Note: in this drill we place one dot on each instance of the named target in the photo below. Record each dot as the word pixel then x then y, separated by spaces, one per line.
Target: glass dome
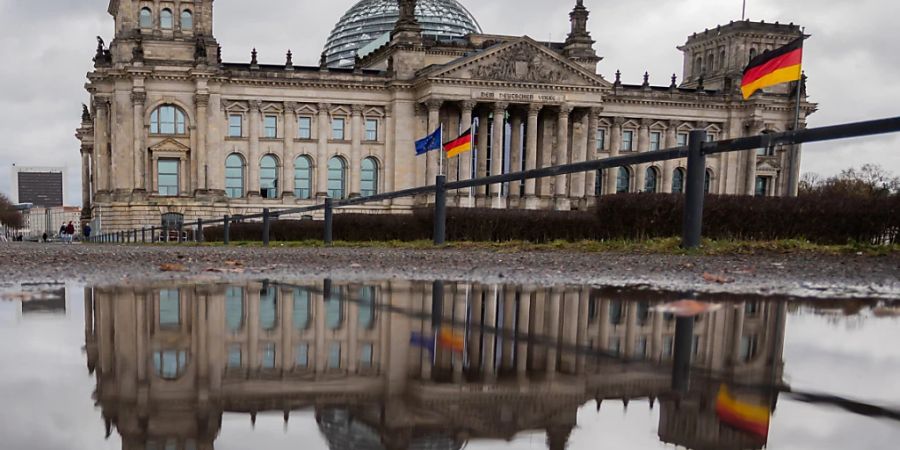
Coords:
pixel 370 20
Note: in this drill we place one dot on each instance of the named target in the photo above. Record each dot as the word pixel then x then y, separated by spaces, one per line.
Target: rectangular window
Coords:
pixel 234 356
pixel 235 125
pixel 303 356
pixel 682 139
pixel 749 346
pixel 167 177
pixel 628 140
pixel 334 356
pixel 268 356
pixel 640 351
pixel 169 308
pixel 305 131
pixel 655 139
pixel 710 137
pixel 762 186
pixel 668 347
pixel 366 356
pixel 615 346
pixel 751 309
pixel 601 139
pixel 271 127
pixel 337 129
pixel 371 130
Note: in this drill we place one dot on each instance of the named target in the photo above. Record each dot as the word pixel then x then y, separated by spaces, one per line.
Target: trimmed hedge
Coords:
pixel 818 218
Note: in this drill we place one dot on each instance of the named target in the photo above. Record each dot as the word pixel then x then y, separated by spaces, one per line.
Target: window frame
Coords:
pixel 681 139
pixel 179 121
pixel 299 187
pixel 766 184
pixel 231 125
pixel 162 19
pixel 160 174
pixel 241 191
pixel 655 141
pixel 342 129
pixel 300 129
pixel 271 192
pixel 270 126
pixel 368 187
pixel 651 170
pixel 630 140
pixel 343 178
pixel 145 13
pixel 627 188
pixel 600 136
pixel 369 137
pixel 190 17
pixel 677 174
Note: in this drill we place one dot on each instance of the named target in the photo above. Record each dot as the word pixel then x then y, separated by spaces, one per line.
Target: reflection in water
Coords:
pixel 400 365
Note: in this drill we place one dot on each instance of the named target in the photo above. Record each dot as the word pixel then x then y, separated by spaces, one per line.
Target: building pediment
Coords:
pixel 170 146
pixel 521 60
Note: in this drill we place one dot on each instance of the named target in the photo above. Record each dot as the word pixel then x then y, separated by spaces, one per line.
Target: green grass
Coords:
pixel 649 246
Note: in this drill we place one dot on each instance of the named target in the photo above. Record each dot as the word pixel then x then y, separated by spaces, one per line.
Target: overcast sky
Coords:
pixel 851 60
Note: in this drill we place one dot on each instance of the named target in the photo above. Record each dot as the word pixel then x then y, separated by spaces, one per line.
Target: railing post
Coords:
pixel 693 198
pixel 267 223
pixel 684 346
pixel 143 235
pixel 226 230
pixel 199 237
pixel 440 210
pixel 329 222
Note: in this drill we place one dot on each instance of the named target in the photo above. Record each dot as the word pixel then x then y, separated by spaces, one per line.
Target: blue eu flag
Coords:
pixel 429 143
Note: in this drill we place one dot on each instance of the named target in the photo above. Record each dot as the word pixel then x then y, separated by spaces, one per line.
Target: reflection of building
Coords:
pixel 171 360
pixel 49 299
pixel 172 128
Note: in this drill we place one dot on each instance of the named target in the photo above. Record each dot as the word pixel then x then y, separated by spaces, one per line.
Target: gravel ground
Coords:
pixel 804 275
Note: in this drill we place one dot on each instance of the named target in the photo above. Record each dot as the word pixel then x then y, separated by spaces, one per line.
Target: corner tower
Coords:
pixel 720 55
pixel 162 30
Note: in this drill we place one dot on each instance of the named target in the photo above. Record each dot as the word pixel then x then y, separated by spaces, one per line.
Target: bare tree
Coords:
pixel 9 216
pixel 870 180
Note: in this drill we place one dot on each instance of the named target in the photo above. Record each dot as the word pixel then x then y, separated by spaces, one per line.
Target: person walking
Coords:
pixel 70 232
pixel 86 231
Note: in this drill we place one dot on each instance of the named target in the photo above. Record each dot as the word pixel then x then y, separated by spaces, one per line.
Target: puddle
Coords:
pixel 413 365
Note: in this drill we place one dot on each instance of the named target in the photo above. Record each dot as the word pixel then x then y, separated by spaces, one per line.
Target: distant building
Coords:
pixel 41 186
pixel 39 220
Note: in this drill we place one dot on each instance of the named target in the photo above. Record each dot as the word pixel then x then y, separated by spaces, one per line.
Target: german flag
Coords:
pixel 778 66
pixel 744 416
pixel 459 145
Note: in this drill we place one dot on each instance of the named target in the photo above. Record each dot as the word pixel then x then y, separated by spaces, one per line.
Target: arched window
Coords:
pixel 268 308
pixel 707 181
pixel 337 178
pixel 369 177
pixel 678 181
pixel 303 178
pixel 698 67
pixel 623 182
pixel 234 176
pixel 598 183
pixel 165 19
pixel 268 177
pixel 168 119
pixel 722 62
pixel 146 18
pixel 752 53
pixel 187 20
pixel 651 180
pixel 234 309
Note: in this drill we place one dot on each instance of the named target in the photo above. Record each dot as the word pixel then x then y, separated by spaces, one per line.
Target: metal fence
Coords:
pixel 696 152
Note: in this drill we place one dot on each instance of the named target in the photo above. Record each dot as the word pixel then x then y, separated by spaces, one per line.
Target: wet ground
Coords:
pixel 789 274
pixel 391 363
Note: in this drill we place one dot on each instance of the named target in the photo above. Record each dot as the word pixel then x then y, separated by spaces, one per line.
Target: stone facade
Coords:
pixel 171 128
pixel 169 360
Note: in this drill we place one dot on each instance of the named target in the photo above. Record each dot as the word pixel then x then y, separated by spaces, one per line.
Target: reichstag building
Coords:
pixel 171 128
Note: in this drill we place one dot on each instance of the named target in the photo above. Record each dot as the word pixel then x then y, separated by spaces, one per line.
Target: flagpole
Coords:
pixel 794 173
pixel 473 162
pixel 744 11
pixel 441 150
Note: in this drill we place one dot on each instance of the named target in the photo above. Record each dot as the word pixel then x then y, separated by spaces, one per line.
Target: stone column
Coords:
pixel 522 331
pixel 670 165
pixel 101 144
pixel 615 144
pixel 531 153
pixel 85 180
pixel 202 102
pixel 582 339
pixel 740 316
pixel 593 124
pixel 465 160
pixel 391 165
pixel 253 361
pixel 434 121
pixel 755 127
pixel 562 152
pixel 324 131
pixel 356 130
pixel 515 152
pixel 138 98
pixel 497 131
pixel 580 154
pixel 643 147
pixel 553 332
pixel 320 354
pixel 490 338
pixel 253 163
pixel 483 144
pixel 353 338
pixel 286 296
pixel 287 163
pixel 459 316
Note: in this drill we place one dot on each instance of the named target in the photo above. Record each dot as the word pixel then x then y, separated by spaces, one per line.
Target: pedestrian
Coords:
pixel 70 232
pixel 86 231
pixel 44 238
pixel 62 233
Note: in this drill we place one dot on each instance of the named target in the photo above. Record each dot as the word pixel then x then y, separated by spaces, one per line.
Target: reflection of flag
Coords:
pixel 459 145
pixel 449 340
pixel 422 341
pixel 781 65
pixel 742 415
pixel 429 143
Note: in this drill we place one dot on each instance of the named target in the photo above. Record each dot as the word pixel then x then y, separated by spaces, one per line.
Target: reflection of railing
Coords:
pixel 696 152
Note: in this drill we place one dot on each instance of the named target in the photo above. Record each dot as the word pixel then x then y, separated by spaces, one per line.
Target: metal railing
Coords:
pixel 696 152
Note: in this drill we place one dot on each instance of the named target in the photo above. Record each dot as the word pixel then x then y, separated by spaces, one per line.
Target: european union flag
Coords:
pixel 429 143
